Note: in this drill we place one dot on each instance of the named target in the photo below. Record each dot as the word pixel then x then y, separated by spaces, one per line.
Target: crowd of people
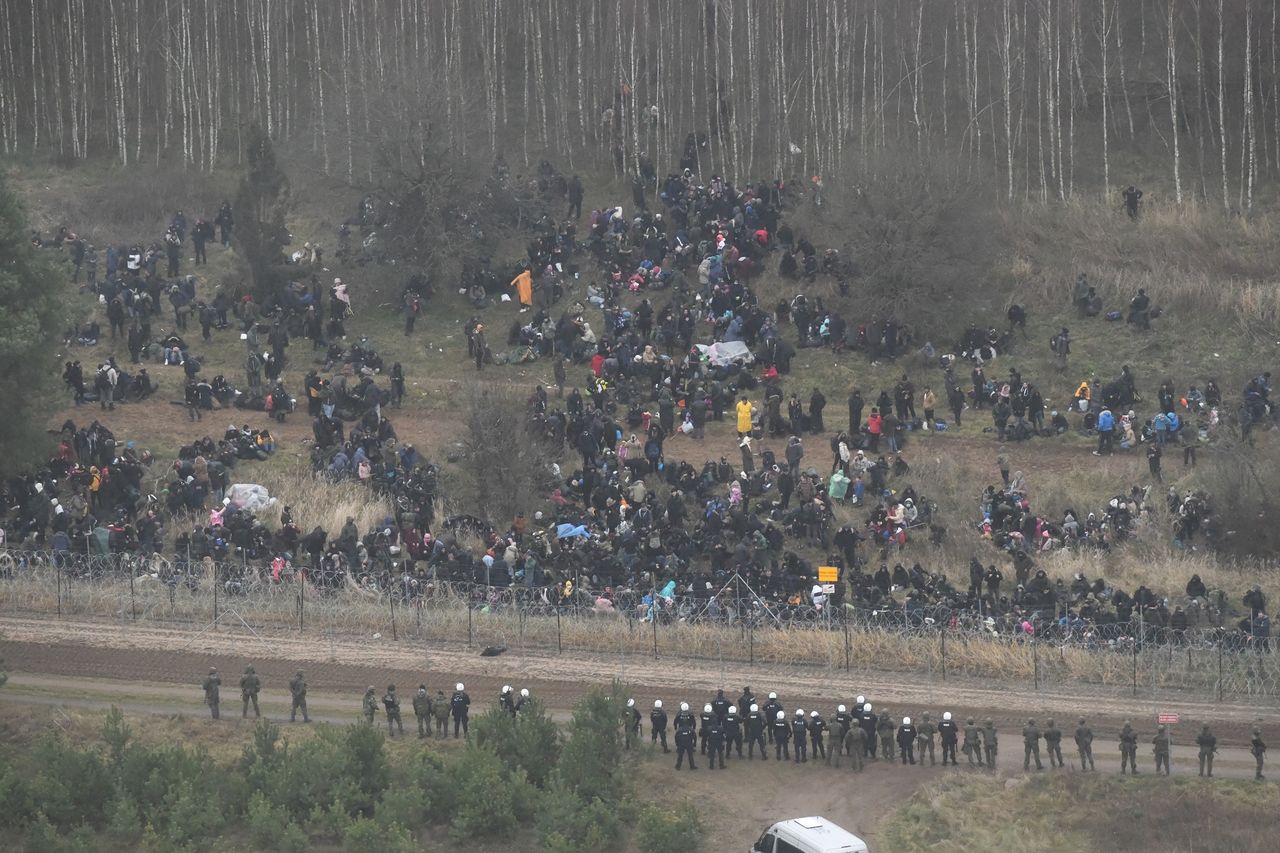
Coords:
pixel 623 510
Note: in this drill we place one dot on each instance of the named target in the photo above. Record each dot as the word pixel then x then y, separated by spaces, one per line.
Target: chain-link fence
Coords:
pixel 740 628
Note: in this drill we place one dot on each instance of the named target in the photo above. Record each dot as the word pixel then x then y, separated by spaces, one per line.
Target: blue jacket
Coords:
pixel 1106 421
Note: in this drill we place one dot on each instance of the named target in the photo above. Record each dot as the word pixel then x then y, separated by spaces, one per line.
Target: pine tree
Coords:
pixel 261 204
pixel 32 296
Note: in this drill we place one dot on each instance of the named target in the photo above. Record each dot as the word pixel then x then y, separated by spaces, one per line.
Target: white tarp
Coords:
pixel 727 352
pixel 250 496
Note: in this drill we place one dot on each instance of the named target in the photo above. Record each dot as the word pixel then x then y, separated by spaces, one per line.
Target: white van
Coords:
pixel 808 835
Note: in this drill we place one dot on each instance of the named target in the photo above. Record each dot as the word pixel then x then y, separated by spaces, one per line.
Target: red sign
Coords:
pixel 1166 719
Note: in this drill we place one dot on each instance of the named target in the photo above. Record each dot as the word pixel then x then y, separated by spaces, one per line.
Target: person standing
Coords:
pixel 1161 747
pixel 1132 199
pixel 298 690
pixel 715 742
pixel 756 724
pixel 440 710
pixel 817 727
pixel 799 730
pixel 856 404
pixel 370 704
pixel 391 702
pixel 924 733
pixel 781 737
pixel 658 725
pixel 989 742
pixel 686 740
pixel 1053 743
pixel 1128 749
pixel 1208 746
pixel 576 193
pixel 212 684
pixel 732 732
pixel 630 723
pixel 854 745
pixel 250 685
pixel 460 705
pixel 1031 745
pixel 422 711
pixel 1154 455
pixel 886 730
pixel 1084 744
pixel 1259 750
pixel 972 746
pixel 949 733
pixel 745 411
pixel 907 741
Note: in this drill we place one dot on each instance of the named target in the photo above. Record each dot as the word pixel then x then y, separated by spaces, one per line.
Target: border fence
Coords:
pixel 734 626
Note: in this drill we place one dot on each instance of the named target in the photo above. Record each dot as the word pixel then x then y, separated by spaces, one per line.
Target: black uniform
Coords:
pixel 771 709
pixel 756 724
pixel 798 731
pixel 781 737
pixel 715 742
pixel 949 734
pixel 868 726
pixel 733 734
pixel 817 728
pixel 844 722
pixel 720 706
pixel 704 724
pixel 658 727
pixel 907 743
pixel 460 705
pixel 686 739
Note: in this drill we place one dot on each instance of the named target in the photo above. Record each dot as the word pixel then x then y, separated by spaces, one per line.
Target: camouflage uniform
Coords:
pixel 1084 743
pixel 422 710
pixel 212 682
pixel 250 685
pixel 298 688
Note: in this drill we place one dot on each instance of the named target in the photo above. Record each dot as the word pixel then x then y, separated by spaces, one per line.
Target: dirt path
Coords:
pixel 76 650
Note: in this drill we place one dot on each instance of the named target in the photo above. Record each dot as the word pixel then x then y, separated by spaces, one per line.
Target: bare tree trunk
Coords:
pixel 1173 102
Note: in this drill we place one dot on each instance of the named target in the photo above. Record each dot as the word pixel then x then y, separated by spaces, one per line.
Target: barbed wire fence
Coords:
pixel 1205 663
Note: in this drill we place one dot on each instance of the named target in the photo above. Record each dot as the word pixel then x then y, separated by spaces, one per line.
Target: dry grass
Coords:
pixel 445 618
pixel 1087 812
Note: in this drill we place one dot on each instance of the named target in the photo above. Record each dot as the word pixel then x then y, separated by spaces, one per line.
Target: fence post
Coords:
pixel 653 614
pixel 1135 665
pixel 1219 669
pixel 559 639
pixel 943 634
pixel 215 596
pixel 1035 661
pixel 133 602
pixel 469 633
pixel 751 644
pixel 845 622
pixel 302 600
pixel 391 599
pixel 59 581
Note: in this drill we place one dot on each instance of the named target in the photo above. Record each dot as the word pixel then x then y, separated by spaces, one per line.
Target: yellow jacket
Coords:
pixel 744 416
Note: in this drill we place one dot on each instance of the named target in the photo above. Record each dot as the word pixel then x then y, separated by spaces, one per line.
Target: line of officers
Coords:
pixel 859 734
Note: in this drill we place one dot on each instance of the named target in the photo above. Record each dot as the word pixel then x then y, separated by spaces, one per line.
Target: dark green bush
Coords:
pixel 528 742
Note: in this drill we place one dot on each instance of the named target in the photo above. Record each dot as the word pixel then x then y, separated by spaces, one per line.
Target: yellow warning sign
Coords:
pixel 828 574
